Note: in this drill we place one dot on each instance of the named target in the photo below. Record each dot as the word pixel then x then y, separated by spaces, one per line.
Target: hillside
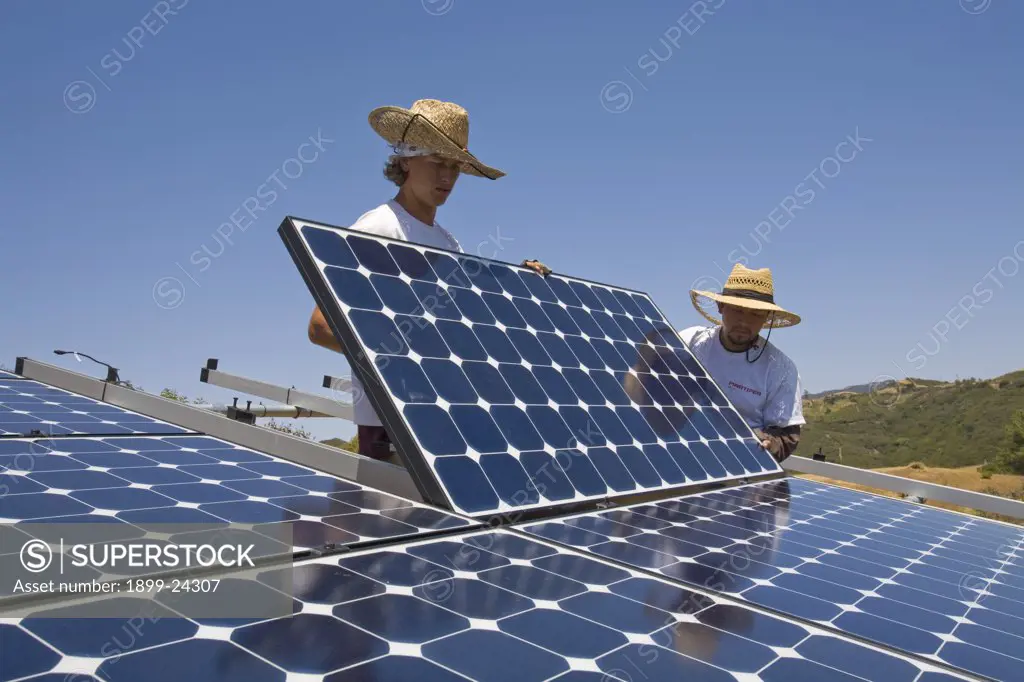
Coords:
pixel 938 423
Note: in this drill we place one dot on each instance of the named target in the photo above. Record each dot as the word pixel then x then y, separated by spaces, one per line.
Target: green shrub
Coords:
pixel 1011 456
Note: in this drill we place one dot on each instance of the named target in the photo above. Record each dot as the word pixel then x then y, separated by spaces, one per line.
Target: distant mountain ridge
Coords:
pixel 859 388
pixel 874 386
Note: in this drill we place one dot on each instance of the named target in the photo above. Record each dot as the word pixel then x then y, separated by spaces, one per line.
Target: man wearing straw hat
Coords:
pixel 758 378
pixel 430 149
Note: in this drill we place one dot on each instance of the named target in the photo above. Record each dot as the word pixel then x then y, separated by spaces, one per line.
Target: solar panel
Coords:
pixel 486 606
pixel 31 408
pixel 4 374
pixel 504 390
pixel 136 483
pixel 937 584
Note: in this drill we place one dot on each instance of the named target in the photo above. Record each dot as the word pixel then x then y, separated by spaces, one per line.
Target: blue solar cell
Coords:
pixel 396 668
pixel 523 384
pixel 448 380
pixel 33 656
pixel 436 299
pixel 462 343
pixel 866 565
pixel 353 289
pixel 262 487
pixel 123 499
pixel 603 359
pixel 329 245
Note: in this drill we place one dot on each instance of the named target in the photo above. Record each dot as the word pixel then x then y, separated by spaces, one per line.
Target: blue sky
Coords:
pixel 648 145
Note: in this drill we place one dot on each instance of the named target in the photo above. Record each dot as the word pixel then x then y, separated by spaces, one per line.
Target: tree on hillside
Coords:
pixel 171 394
pixel 1011 457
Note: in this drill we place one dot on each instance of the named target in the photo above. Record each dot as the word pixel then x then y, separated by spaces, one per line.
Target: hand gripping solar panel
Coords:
pixel 505 390
pixel 134 485
pixel 485 606
pixel 936 584
pixel 32 408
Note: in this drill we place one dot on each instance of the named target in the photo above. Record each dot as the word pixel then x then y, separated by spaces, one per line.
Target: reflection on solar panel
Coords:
pixel 31 408
pixel 484 606
pixel 132 483
pixel 506 390
pixel 922 580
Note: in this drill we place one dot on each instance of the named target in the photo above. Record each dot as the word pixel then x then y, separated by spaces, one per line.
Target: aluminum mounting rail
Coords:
pixel 317 405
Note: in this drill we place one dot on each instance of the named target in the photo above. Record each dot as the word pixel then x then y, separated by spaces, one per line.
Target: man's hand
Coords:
pixel 537 267
pixel 781 444
pixel 773 444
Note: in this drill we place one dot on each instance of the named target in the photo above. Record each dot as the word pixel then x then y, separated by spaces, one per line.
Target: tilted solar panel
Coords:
pixel 505 390
pixel 484 606
pixel 136 483
pixel 4 374
pixel 32 408
pixel 945 586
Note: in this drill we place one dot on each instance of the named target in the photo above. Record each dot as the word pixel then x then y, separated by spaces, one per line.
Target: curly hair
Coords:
pixel 394 172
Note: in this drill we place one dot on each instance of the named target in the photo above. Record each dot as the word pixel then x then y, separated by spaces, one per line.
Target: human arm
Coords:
pixel 537 267
pixel 779 441
pixel 320 332
pixel 783 413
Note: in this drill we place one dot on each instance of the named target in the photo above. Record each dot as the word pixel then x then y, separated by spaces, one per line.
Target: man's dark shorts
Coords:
pixel 374 442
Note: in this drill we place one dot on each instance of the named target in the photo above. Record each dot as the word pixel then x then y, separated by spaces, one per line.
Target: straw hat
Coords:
pixel 748 289
pixel 441 127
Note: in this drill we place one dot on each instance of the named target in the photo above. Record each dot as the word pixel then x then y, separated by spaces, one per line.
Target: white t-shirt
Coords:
pixel 766 392
pixel 392 221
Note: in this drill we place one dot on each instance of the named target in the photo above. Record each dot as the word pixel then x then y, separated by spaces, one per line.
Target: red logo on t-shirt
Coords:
pixel 741 387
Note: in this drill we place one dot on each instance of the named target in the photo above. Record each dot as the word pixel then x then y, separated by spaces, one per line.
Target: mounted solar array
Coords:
pixel 487 606
pixel 31 408
pixel 4 374
pixel 149 480
pixel 504 390
pixel 945 586
pixel 138 481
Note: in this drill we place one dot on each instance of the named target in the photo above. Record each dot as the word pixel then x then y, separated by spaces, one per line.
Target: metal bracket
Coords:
pixel 337 383
pixel 314 405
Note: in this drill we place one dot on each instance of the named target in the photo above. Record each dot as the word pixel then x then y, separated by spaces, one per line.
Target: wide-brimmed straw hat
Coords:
pixel 748 289
pixel 441 127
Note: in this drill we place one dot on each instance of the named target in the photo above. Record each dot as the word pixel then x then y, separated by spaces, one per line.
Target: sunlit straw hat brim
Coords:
pixel 442 127
pixel 781 317
pixel 746 288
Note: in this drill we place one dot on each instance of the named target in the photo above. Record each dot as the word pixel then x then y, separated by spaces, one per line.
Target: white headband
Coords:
pixel 406 150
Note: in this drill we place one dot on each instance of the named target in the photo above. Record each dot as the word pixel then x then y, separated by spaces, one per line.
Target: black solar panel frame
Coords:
pixel 401 436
